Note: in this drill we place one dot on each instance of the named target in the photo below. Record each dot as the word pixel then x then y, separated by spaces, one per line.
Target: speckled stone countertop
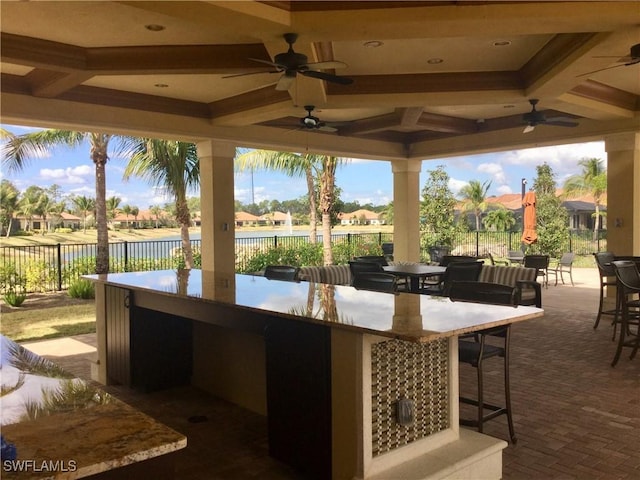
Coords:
pixel 406 316
pixel 65 428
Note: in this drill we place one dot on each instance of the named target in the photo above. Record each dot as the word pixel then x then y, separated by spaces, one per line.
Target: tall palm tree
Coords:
pixel 113 207
pixel 21 148
pixel 9 203
pixel 291 164
pixel 135 211
pixel 592 180
pixel 155 211
pixel 174 166
pixel 312 167
pixel 474 197
pixel 126 209
pixel 85 206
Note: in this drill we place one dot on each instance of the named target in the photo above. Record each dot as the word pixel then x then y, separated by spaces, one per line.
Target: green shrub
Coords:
pixel 82 288
pixel 40 276
pixel 14 299
pixel 64 230
pixel 10 279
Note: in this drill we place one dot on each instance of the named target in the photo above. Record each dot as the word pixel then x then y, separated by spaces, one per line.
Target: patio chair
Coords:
pixel 372 258
pixel 449 259
pixel 282 272
pixel 541 264
pixel 357 267
pixel 380 282
pixel 474 349
pixel 387 251
pixel 515 256
pixel 604 262
pixel 564 265
pixel 456 271
pixel 628 285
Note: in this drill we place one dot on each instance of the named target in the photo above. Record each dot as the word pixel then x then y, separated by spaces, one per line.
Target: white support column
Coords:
pixel 217 205
pixel 623 193
pixel 406 209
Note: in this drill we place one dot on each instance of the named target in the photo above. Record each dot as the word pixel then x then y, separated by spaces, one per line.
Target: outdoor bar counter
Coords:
pixel 354 383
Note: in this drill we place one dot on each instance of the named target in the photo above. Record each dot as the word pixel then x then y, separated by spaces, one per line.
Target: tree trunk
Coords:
pixel 183 217
pixel 313 207
pixel 99 157
pixel 596 222
pixel 327 194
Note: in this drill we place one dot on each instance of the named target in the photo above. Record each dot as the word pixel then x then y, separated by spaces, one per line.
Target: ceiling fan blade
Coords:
pixel 278 66
pixel 326 65
pixel 327 128
pixel 250 73
pixel 603 69
pixel 328 77
pixel 528 128
pixel 285 82
pixel 561 123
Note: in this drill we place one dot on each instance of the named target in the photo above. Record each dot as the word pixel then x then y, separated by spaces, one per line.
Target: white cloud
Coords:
pixel 503 189
pixel 495 170
pixel 456 185
pixel 67 176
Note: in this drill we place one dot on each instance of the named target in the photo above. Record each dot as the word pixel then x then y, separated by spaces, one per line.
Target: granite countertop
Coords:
pixel 407 316
pixel 65 428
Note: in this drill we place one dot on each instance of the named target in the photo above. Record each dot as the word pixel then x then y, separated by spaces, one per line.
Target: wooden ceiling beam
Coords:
pixel 369 125
pixel 50 84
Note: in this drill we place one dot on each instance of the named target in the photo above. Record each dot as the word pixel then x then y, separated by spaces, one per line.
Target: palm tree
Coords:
pixel 127 211
pixel 113 207
pixel 474 196
pixel 9 203
pixel 85 206
pixel 155 211
pixel 20 148
pixel 313 168
pixel 175 166
pixel 501 219
pixel 135 211
pixel 592 181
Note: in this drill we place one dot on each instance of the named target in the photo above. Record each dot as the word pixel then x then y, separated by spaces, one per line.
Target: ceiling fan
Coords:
pixel 291 63
pixel 310 122
pixel 535 118
pixel 632 59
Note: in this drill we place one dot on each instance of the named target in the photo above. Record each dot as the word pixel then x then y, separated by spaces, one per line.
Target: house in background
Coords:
pixel 360 217
pixel 246 219
pixel 36 222
pixel 276 219
pixel 580 209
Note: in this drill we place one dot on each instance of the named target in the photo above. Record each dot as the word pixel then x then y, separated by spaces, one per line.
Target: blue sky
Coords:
pixel 362 180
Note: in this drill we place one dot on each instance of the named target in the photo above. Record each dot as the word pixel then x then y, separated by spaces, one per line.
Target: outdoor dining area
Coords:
pixel 574 416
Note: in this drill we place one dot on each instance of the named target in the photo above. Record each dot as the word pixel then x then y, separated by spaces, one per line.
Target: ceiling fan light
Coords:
pixel 373 44
pixel 154 27
pixel 434 61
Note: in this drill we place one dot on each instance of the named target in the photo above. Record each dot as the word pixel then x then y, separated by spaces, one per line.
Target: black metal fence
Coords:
pixel 41 268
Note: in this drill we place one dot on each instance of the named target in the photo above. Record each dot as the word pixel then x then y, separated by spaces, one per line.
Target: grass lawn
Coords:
pixel 46 316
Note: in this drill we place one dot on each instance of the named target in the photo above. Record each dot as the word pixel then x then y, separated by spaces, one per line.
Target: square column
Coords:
pixel 406 209
pixel 623 193
pixel 217 205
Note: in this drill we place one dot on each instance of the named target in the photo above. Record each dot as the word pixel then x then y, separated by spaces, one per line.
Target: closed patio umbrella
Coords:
pixel 529 234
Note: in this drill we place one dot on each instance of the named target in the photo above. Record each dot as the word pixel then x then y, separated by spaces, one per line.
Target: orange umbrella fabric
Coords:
pixel 529 234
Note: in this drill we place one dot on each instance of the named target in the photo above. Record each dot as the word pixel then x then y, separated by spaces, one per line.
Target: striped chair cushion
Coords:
pixel 486 274
pixel 311 274
pixel 336 274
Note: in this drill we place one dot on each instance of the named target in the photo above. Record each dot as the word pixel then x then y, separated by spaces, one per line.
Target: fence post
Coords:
pixel 570 241
pixel 348 238
pixel 477 243
pixel 275 241
pixel 379 238
pixel 59 249
pixel 126 256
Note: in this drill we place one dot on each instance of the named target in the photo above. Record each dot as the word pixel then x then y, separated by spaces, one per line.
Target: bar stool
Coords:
pixel 628 284
pixel 474 349
pixel 604 262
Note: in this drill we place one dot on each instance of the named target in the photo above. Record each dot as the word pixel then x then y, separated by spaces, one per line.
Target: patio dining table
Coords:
pixel 416 272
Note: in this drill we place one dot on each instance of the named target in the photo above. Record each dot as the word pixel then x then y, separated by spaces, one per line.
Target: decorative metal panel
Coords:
pixel 413 371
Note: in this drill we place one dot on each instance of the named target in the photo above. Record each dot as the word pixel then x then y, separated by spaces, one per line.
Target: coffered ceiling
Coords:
pixel 429 78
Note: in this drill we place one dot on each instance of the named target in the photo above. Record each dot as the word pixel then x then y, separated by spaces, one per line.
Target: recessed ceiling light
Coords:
pixel 508 106
pixel 502 43
pixel 373 44
pixel 161 85
pixel 153 27
pixel 435 61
